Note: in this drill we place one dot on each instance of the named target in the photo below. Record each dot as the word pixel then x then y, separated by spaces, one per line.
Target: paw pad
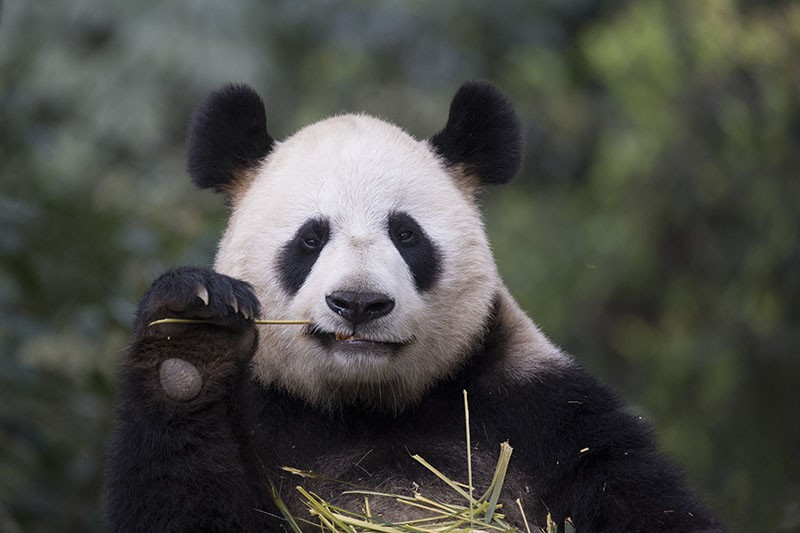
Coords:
pixel 180 379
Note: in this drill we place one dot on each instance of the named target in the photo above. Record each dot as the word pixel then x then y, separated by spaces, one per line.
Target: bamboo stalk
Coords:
pixel 203 321
pixel 469 458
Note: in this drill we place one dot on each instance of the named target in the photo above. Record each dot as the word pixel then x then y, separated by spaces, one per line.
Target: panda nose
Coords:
pixel 359 307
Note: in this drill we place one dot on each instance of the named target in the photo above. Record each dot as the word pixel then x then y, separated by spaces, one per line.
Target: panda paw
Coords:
pixel 215 341
pixel 200 296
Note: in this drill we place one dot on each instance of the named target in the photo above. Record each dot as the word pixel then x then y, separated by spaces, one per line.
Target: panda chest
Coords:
pixel 342 475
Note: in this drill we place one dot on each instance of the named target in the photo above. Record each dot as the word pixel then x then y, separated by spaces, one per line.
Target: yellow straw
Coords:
pixel 200 321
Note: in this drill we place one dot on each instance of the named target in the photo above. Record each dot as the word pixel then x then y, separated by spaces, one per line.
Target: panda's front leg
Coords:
pixel 181 457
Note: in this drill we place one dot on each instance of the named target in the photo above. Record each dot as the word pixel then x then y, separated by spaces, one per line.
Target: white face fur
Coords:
pixel 355 173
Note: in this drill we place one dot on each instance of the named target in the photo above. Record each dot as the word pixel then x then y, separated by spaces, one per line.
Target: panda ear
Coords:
pixel 227 137
pixel 483 134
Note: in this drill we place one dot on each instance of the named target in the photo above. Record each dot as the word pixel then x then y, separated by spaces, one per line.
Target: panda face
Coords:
pixel 359 228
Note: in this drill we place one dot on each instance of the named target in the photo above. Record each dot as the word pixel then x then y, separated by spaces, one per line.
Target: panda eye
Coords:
pixel 312 236
pixel 404 230
pixel 312 243
pixel 405 236
pixel 420 254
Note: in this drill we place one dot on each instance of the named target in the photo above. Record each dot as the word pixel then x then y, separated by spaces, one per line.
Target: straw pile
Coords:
pixel 468 514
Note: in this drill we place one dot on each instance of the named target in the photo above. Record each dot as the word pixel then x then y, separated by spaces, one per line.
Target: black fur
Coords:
pixel 483 133
pixel 416 248
pixel 297 257
pixel 227 135
pixel 206 465
pixel 186 466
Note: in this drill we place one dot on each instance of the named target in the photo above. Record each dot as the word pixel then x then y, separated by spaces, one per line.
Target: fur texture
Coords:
pixel 482 134
pixel 376 238
pixel 227 137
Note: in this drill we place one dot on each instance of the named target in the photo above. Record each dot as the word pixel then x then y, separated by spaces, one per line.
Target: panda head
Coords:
pixel 373 236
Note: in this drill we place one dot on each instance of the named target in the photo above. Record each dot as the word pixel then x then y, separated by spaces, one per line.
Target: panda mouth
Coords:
pixel 339 337
pixel 354 340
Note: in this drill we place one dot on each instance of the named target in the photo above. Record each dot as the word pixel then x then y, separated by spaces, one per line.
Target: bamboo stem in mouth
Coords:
pixel 201 321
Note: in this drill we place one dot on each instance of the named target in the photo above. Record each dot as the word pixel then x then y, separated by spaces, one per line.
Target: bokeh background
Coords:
pixel 654 232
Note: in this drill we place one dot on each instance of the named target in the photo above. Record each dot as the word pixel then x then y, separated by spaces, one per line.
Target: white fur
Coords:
pixel 355 170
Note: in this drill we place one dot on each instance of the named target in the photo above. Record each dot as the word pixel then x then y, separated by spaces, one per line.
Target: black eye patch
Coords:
pixel 416 248
pixel 298 255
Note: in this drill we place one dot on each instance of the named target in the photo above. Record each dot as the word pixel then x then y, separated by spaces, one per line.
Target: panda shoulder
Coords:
pixel 515 346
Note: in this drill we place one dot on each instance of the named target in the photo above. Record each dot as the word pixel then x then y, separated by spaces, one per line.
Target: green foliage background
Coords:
pixel 654 232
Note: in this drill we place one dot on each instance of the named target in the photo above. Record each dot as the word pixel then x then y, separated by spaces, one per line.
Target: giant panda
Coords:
pixel 376 239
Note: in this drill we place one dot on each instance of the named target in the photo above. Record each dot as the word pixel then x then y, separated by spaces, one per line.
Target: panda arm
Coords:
pixel 180 459
pixel 590 458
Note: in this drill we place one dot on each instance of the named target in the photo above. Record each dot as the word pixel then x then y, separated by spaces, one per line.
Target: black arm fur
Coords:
pixel 187 465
